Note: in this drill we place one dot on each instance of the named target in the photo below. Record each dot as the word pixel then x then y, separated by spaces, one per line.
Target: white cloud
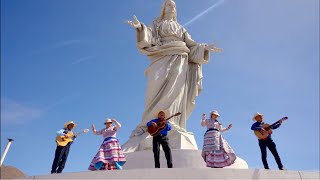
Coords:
pixel 203 12
pixel 55 46
pixel 59 101
pixel 80 60
pixel 13 112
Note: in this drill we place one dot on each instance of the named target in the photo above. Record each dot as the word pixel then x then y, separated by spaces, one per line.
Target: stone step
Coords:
pixel 181 158
pixel 185 173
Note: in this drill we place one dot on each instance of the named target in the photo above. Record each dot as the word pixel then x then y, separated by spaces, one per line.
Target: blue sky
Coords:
pixel 77 60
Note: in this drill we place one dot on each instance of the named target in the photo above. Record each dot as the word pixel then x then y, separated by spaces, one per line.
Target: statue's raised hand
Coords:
pixel 213 48
pixel 135 23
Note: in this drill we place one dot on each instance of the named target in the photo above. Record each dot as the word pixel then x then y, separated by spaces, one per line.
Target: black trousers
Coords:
pixel 272 147
pixel 163 140
pixel 60 158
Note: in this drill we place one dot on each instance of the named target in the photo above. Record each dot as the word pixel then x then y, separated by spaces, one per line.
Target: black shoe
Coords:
pixel 59 171
pixel 282 168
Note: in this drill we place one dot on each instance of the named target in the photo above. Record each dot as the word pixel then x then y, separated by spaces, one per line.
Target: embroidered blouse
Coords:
pixel 109 132
pixel 213 124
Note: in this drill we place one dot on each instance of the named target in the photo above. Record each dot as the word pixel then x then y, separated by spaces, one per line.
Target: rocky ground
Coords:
pixel 10 172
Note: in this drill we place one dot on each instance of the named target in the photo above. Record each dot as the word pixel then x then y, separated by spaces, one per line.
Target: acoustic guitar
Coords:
pixel 267 127
pixel 153 131
pixel 63 141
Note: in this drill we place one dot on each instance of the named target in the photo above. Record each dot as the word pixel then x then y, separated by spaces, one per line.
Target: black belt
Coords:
pixel 211 129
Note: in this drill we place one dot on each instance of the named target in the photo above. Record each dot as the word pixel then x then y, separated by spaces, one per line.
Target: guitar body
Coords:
pixel 267 127
pixel 153 131
pixel 261 135
pixel 63 141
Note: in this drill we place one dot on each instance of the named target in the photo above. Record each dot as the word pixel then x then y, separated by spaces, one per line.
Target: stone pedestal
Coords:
pixel 185 153
pixel 177 139
pixel 181 158
pixel 185 173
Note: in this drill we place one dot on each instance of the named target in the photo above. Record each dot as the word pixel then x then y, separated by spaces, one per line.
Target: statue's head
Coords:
pixel 169 6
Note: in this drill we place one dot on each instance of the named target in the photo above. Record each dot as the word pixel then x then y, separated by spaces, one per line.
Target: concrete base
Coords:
pixel 177 139
pixel 181 158
pixel 185 173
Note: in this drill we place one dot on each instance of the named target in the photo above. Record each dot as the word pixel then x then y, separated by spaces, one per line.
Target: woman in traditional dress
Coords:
pixel 175 73
pixel 216 151
pixel 109 155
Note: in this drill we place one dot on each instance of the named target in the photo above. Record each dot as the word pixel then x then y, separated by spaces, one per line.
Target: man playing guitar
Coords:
pixel 162 139
pixel 62 152
pixel 259 127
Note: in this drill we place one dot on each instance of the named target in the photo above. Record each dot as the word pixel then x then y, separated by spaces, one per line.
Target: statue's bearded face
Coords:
pixel 170 7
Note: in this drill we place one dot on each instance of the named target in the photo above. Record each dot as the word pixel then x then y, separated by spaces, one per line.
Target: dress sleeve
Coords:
pixel 204 122
pixel 198 54
pixel 98 132
pixel 188 40
pixel 221 129
pixel 117 127
pixel 145 37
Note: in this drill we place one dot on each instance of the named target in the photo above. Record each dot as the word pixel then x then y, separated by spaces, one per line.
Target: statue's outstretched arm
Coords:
pixel 213 48
pixel 135 23
pixel 190 42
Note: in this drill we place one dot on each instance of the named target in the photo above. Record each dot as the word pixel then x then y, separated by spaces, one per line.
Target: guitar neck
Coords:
pixel 274 124
pixel 80 133
pixel 282 119
pixel 173 116
pixel 169 118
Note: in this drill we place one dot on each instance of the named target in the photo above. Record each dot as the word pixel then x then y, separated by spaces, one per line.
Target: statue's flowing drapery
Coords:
pixel 175 73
